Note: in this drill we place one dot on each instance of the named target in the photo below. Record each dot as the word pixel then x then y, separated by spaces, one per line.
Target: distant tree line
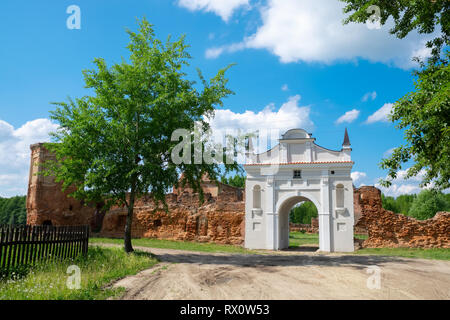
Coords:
pixel 422 206
pixel 237 180
pixel 13 210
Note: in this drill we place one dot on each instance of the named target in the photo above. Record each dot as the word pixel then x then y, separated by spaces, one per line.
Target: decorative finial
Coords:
pixel 346 139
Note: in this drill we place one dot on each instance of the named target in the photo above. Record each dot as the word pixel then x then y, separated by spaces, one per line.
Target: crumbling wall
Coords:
pixel 218 219
pixel 388 229
pixel 46 203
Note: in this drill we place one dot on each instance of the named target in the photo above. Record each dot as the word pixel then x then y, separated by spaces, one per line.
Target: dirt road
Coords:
pixel 286 275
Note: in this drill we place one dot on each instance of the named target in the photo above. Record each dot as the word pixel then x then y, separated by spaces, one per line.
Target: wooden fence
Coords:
pixel 26 245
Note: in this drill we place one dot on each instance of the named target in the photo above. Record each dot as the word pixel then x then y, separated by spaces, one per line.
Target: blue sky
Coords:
pixel 296 65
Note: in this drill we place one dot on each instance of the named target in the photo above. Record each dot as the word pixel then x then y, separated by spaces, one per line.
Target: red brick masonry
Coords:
pixel 388 229
pixel 220 219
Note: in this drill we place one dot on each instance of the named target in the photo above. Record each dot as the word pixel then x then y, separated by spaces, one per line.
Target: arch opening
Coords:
pixel 303 214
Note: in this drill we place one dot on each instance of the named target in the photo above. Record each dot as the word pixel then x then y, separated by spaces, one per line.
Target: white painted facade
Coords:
pixel 294 171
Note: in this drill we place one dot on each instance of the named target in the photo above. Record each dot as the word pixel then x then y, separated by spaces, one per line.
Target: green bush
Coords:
pixel 303 213
pixel 427 204
pixel 422 206
pixel 13 210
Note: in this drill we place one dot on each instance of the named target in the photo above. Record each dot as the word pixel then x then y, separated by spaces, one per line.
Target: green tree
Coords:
pixel 303 213
pixel 389 203
pixel 401 204
pixel 404 202
pixel 424 16
pixel 427 204
pixel 424 113
pixel 116 145
pixel 425 117
pixel 238 180
pixel 13 210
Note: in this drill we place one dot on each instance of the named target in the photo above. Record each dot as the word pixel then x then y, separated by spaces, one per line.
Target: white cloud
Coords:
pixel 289 115
pixel 396 189
pixel 312 31
pixel 268 122
pixel 400 185
pixel 15 153
pixel 213 53
pixel 285 87
pixel 401 175
pixel 388 152
pixel 349 116
pixel 357 176
pixel 369 95
pixel 381 114
pixel 222 8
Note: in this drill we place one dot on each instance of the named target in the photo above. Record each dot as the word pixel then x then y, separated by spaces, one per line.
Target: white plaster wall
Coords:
pixel 343 221
pixel 255 226
pixel 280 192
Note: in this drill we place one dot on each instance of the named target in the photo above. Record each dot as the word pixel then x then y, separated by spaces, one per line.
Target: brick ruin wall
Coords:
pixel 388 229
pixel 219 219
pixel 47 203
pixel 313 227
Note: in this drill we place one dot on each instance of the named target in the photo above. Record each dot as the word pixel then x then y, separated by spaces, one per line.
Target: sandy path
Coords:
pixel 285 275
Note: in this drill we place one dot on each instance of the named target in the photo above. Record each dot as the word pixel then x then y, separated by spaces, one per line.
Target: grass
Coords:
pixel 295 239
pixel 432 253
pixel 298 239
pixel 177 245
pixel 48 281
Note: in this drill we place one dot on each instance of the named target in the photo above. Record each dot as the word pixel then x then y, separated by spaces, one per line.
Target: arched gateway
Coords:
pixel 294 171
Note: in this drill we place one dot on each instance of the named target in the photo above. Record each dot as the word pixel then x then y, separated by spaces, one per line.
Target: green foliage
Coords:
pixel 116 144
pixel 401 204
pixel 424 114
pixel 303 213
pixel 427 204
pixel 424 16
pixel 422 206
pixel 238 180
pixel 47 281
pixel 425 117
pixel 13 210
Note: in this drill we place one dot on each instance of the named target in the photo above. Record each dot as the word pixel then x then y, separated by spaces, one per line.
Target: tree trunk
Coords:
pixel 127 238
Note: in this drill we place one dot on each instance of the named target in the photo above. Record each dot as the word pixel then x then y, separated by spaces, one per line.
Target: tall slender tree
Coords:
pixel 116 144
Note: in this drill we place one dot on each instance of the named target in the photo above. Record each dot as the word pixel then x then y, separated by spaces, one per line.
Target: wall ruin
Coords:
pixel 220 218
pixel 388 229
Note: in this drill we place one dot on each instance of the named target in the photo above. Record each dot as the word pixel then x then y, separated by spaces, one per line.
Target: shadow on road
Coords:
pixel 359 262
pixel 302 249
